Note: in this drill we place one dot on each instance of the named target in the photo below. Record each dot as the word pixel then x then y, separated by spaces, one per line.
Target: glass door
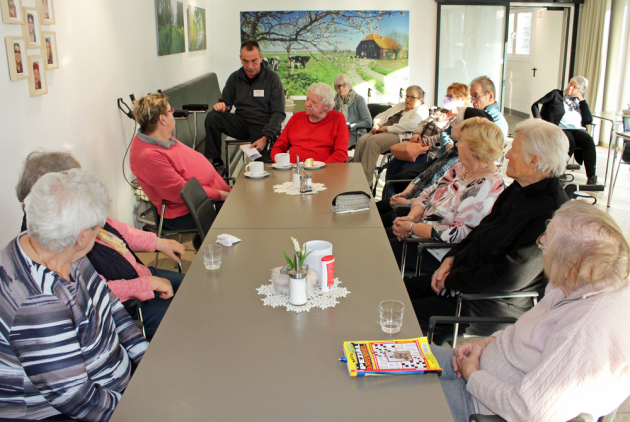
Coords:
pixel 471 40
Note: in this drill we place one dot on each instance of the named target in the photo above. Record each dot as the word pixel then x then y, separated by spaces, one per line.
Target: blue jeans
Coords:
pixel 460 402
pixel 154 309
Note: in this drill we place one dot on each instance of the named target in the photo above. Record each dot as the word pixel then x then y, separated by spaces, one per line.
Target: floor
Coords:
pixel 618 210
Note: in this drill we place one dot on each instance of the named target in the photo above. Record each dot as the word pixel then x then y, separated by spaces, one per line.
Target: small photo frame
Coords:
pixel 16 55
pixel 30 27
pixel 50 43
pixel 46 11
pixel 37 84
pixel 11 11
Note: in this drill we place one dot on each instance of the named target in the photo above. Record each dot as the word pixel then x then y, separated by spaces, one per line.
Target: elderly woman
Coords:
pixel 569 110
pixel 567 355
pixel 113 254
pixel 390 127
pixel 448 210
pixel 68 346
pixel 319 132
pixel 163 165
pixel 353 107
pixel 500 254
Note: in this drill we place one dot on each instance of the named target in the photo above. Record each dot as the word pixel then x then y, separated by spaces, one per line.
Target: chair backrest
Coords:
pixel 376 109
pixel 201 207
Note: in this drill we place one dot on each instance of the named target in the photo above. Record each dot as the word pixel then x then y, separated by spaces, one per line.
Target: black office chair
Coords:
pixel 134 306
pixel 201 208
pixel 161 231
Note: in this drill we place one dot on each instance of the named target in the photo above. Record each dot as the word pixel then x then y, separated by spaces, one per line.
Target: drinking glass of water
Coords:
pixel 212 256
pixel 391 315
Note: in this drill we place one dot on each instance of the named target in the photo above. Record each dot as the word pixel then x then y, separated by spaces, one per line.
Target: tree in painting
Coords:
pixel 170 26
pixel 196 28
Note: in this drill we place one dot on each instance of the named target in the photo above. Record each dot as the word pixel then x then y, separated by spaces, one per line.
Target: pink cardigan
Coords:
pixel 566 356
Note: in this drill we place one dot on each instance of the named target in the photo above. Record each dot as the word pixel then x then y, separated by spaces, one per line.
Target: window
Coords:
pixel 520 31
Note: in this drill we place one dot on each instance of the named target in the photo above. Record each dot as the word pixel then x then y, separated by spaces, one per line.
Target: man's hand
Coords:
pixel 220 107
pixel 162 287
pixel 260 143
pixel 439 276
pixel 169 247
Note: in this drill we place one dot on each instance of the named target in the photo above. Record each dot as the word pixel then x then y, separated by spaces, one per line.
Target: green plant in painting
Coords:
pixel 171 37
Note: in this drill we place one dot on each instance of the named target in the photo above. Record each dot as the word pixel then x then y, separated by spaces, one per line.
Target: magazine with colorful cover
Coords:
pixel 393 357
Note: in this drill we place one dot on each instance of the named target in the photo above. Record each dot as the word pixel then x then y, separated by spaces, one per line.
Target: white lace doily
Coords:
pixel 317 300
pixel 287 187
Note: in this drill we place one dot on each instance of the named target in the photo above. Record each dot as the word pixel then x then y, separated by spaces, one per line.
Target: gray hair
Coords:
pixel 40 162
pixel 486 84
pixel 61 205
pixel 582 83
pixel 547 141
pixel 585 246
pixel 342 78
pixel 325 91
pixel 418 90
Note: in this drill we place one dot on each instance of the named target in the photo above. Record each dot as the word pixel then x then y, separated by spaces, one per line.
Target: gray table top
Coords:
pixel 253 203
pixel 220 354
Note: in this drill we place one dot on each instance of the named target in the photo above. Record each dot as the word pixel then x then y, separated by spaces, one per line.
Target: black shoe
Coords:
pixel 591 180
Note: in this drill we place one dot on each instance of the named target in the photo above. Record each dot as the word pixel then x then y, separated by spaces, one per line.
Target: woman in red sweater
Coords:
pixel 163 165
pixel 319 132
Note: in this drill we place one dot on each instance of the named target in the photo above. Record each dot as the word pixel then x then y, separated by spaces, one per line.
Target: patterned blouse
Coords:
pixel 454 207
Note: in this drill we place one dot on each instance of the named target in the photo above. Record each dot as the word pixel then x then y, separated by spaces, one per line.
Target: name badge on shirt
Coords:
pixel 259 93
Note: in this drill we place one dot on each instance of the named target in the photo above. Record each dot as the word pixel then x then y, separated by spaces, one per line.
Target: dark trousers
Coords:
pixel 396 166
pixel 411 174
pixel 155 309
pixel 579 138
pixel 232 125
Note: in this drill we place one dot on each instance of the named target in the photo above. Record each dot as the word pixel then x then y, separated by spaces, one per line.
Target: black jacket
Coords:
pixel 500 254
pixel 553 108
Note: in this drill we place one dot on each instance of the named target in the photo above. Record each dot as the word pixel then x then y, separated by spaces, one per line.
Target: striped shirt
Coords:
pixel 65 347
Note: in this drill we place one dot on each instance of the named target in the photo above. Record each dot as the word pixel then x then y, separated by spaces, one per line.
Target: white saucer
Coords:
pixel 258 176
pixel 279 167
pixel 316 165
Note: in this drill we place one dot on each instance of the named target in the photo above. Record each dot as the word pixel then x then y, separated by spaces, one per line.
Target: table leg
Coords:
pixel 610 142
pixel 612 173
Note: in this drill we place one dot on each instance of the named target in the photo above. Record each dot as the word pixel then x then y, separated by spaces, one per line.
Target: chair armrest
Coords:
pixel 132 305
pixel 428 243
pixel 196 107
pixel 230 181
pixel 485 418
pixel 503 295
pixel 465 320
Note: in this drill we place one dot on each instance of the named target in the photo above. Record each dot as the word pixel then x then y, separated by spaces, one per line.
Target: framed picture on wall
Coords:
pixel 11 11
pixel 16 55
pixel 50 41
pixel 37 84
pixel 45 8
pixel 30 27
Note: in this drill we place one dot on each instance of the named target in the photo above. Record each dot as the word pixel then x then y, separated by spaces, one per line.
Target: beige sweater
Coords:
pixel 566 356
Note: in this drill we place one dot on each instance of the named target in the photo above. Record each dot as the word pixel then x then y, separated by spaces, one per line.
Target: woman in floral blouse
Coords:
pixel 449 209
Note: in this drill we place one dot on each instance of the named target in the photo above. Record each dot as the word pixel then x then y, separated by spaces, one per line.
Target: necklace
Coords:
pixel 463 178
pixel 40 257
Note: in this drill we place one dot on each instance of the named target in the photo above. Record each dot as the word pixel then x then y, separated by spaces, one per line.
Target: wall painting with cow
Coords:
pixel 304 47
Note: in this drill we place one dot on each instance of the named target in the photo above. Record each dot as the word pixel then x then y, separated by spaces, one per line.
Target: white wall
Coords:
pixel 107 49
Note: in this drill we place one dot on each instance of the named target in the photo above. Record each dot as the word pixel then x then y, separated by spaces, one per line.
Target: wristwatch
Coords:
pixel 411 229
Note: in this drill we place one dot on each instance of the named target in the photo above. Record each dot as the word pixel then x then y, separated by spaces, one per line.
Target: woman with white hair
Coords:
pixel 391 127
pixel 53 304
pixel 319 132
pixel 500 254
pixel 566 356
pixel 353 107
pixel 569 110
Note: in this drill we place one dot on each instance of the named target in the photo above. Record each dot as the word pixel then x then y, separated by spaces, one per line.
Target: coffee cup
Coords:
pixel 255 168
pixel 283 159
pixel 316 250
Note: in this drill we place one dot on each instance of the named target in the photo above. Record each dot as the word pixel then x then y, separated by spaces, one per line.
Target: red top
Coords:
pixel 163 172
pixel 326 140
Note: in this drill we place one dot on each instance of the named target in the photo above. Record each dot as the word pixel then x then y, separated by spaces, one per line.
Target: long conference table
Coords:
pixel 221 355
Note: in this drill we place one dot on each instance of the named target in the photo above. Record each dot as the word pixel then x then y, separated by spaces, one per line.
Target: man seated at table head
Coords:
pixel 484 94
pixel 258 96
pixel 163 165
pixel 319 132
pixel 67 345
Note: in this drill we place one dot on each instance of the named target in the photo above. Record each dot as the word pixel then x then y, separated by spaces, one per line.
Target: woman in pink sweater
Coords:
pixel 567 355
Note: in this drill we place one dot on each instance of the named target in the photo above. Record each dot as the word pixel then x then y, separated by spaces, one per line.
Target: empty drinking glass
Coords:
pixel 391 312
pixel 212 256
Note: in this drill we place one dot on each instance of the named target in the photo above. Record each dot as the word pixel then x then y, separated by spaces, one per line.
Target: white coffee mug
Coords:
pixel 318 249
pixel 255 168
pixel 283 159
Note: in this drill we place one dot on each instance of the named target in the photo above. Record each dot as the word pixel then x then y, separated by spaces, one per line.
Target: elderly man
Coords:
pixel 67 345
pixel 483 95
pixel 319 132
pixel 500 254
pixel 257 93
